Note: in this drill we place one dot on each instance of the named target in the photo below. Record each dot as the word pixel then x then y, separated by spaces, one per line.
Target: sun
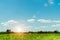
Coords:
pixel 19 29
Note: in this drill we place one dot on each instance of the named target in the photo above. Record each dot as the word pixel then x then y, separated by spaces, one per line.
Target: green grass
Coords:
pixel 32 36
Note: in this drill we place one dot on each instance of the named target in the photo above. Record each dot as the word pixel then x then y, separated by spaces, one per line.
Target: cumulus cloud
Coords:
pixel 56 25
pixel 56 21
pixel 51 1
pixel 44 21
pixel 31 20
pixel 17 26
pixel 43 26
pixel 23 27
pixel 48 21
pixel 9 22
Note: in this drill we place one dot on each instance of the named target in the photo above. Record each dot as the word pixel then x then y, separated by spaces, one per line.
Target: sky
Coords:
pixel 30 15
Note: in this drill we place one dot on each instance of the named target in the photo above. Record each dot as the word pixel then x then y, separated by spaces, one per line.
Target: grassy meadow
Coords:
pixel 30 36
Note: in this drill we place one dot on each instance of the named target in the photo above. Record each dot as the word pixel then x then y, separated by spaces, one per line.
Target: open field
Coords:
pixel 30 36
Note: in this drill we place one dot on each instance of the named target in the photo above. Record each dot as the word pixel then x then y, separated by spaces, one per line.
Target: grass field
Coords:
pixel 32 36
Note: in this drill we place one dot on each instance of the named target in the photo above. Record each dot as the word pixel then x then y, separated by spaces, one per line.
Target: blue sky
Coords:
pixel 35 14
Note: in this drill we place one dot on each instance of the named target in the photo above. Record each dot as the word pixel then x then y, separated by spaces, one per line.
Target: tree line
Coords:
pixel 9 31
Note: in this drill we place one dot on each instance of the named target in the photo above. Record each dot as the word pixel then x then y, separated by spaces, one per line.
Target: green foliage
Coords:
pixel 30 36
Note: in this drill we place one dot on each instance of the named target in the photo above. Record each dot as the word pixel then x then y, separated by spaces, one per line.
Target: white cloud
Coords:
pixel 56 25
pixel 22 27
pixel 56 21
pixel 51 1
pixel 48 21
pixel 31 20
pixel 17 26
pixel 43 26
pixel 9 22
pixel 44 21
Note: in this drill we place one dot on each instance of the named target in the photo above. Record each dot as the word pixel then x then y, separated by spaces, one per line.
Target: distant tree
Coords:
pixel 55 31
pixel 40 32
pixel 30 32
pixel 8 31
